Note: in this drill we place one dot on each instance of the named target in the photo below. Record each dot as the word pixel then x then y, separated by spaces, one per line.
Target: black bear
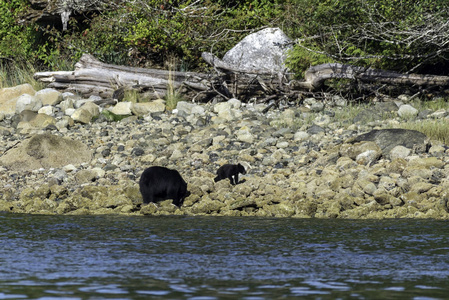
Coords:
pixel 159 183
pixel 231 172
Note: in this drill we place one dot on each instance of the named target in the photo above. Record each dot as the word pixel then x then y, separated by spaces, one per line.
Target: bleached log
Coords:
pixel 94 77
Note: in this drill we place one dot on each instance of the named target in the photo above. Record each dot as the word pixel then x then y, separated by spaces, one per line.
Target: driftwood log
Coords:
pixel 316 76
pixel 92 77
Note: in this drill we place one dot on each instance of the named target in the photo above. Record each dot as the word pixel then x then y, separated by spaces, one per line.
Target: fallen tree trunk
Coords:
pixel 284 84
pixel 316 76
pixel 92 77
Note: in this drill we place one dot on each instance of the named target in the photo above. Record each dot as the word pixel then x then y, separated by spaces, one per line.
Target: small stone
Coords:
pixel 138 151
pixel 406 111
pixel 106 152
pixel 122 109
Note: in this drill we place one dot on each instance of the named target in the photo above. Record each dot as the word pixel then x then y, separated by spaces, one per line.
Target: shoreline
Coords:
pixel 300 171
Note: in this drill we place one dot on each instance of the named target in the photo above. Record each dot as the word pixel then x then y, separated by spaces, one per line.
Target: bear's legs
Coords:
pixel 147 193
pixel 234 179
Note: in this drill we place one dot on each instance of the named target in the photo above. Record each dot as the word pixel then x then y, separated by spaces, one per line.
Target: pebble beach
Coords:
pixel 294 168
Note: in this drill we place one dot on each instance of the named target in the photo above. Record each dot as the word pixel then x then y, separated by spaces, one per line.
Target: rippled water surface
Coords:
pixel 110 257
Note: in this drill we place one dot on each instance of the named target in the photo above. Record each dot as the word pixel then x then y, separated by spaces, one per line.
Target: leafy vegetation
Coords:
pixel 406 35
pixel 15 41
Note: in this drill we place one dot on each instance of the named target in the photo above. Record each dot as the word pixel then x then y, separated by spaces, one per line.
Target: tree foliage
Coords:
pixel 400 35
pixel 146 32
pixel 16 41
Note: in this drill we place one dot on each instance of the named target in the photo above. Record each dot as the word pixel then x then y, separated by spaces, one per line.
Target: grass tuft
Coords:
pixel 172 97
pixel 437 129
pixel 16 74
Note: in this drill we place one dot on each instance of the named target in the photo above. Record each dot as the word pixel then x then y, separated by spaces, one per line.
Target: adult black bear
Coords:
pixel 159 183
pixel 231 172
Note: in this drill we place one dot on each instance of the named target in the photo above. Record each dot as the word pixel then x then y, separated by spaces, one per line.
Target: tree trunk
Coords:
pixel 316 76
pixel 92 77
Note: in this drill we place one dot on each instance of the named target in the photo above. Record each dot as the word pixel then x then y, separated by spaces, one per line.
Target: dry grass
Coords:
pixel 437 129
pixel 172 97
pixel 15 74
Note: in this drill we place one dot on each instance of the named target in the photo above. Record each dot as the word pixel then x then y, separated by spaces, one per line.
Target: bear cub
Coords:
pixel 160 183
pixel 231 172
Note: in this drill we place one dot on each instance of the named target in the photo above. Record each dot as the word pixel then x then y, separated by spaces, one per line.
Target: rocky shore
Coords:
pixel 65 155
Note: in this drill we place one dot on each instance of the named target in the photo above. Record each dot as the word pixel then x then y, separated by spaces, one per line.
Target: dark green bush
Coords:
pixel 16 41
pixel 148 32
pixel 405 35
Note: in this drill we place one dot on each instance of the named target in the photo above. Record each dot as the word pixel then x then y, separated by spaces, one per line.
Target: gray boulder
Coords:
pixel 45 151
pixel 144 108
pixel 186 108
pixel 40 121
pixel 264 51
pixel 86 112
pixel 387 139
pixel 122 109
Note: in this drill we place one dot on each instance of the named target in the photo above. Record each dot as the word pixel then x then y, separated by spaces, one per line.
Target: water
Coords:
pixel 205 258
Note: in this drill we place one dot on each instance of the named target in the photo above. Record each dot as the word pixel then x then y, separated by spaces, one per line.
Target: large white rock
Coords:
pixel 263 50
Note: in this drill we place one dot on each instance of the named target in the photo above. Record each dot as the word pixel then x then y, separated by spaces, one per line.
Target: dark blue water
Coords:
pixel 110 257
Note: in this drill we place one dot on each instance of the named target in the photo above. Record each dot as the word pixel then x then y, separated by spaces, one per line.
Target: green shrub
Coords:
pixel 146 33
pixel 16 42
pixel 377 33
pixel 141 32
